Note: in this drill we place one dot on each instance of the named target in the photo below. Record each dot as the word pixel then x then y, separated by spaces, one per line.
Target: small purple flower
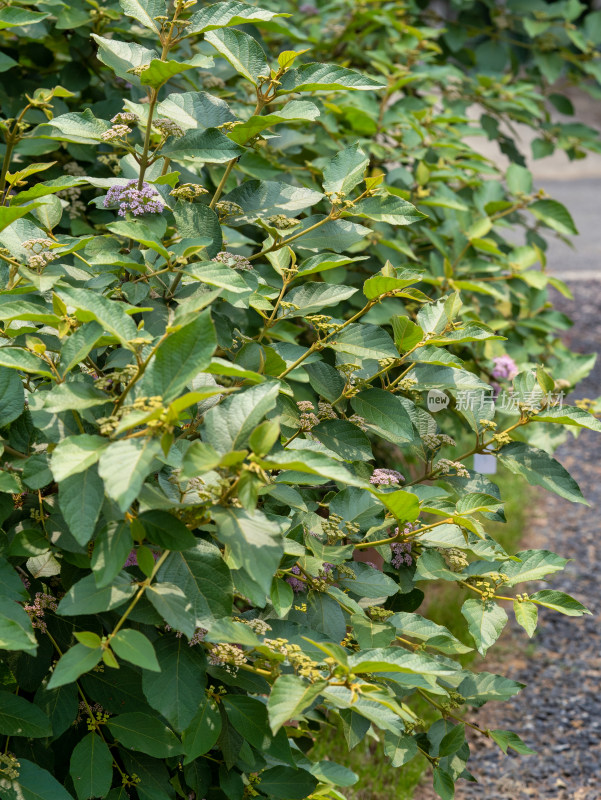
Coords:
pixel 386 477
pixel 297 586
pixel 308 8
pixel 138 201
pixel 132 559
pixel 505 367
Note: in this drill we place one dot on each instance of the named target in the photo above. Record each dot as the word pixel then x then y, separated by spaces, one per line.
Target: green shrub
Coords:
pixel 248 346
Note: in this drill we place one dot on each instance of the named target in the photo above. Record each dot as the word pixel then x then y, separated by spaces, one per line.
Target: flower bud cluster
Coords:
pixel 407 384
pixel 502 438
pixel 125 118
pixel 488 424
pixel 227 655
pixel 9 766
pixel 326 411
pixel 36 610
pixel 226 209
pixel 379 614
pixel 435 440
pixel 308 419
pixel 233 260
pixel 456 559
pixel 282 221
pixel 359 422
pixel 188 191
pixel 40 254
pixel 323 323
pixel 297 585
pixel 115 133
pixel 445 467
pixel 168 128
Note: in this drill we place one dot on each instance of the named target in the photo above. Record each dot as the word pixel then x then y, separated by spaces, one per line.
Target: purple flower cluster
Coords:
pixel 505 367
pixel 139 201
pixel 401 554
pixel 36 610
pixel 297 586
pixel 386 477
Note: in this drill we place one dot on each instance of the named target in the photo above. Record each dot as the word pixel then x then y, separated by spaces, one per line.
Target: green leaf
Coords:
pixel 230 12
pixel 532 566
pixel 122 57
pixel 16 17
pixel 386 208
pixel 19 717
pixel 124 465
pixel 33 783
pixel 406 333
pixel 166 531
pixel 261 199
pixel 175 608
pixel 295 110
pixel 203 731
pixel 16 632
pixel 395 659
pixel 569 415
pixel 345 170
pixel 249 717
pixel 80 127
pixel 364 341
pixel 144 11
pixel 485 621
pixel 137 230
pixel 195 110
pixel 111 548
pixel 91 767
pixel 286 783
pixel 479 688
pixel 8 214
pixel 80 498
pixel 73 663
pixel 84 597
pixel 210 146
pixel 91 305
pixel 344 438
pixel 290 696
pixel 12 396
pixel 526 615
pixel 315 77
pixel 179 358
pixel 205 579
pixel 78 346
pixel 369 582
pixel 443 784
pixel 281 596
pixel 425 630
pixel 134 647
pixel 554 215
pixel 403 505
pixel 79 396
pixel 254 540
pixel 229 425
pixel 400 748
pixel 145 734
pixel 21 359
pixel 540 469
pixel 243 52
pixel 75 454
pixel 509 739
pixel 312 297
pixel 177 688
pixel 384 414
pixel 311 463
pixel 559 601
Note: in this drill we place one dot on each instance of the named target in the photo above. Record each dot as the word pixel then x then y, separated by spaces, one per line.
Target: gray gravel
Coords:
pixel 558 714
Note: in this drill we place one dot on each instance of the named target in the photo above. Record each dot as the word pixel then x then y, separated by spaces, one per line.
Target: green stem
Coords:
pixel 139 594
pixel 413 534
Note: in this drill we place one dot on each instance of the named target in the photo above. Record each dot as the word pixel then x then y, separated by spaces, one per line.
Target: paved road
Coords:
pixel 583 261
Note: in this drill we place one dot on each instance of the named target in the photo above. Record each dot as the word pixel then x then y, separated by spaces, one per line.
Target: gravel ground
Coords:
pixel 558 714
